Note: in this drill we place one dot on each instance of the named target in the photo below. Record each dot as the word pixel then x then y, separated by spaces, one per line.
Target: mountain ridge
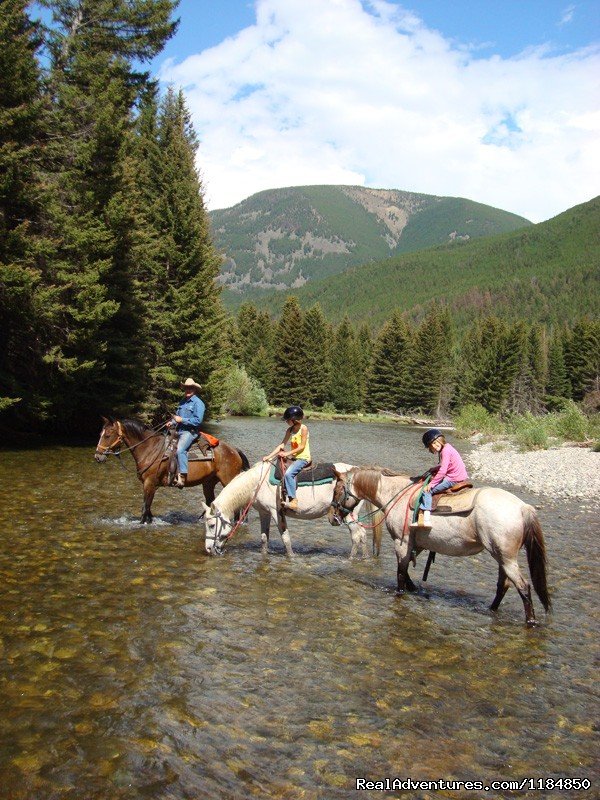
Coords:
pixel 282 239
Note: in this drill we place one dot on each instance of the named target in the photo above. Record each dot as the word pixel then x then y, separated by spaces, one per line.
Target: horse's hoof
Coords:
pixel 532 623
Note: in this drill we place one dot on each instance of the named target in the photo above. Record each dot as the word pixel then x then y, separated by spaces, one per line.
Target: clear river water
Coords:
pixel 132 665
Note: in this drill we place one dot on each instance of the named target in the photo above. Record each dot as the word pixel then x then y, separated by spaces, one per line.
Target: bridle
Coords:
pixel 341 509
pixel 220 534
pixel 104 450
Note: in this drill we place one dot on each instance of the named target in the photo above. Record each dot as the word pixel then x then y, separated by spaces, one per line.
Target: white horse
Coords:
pixel 252 488
pixel 499 522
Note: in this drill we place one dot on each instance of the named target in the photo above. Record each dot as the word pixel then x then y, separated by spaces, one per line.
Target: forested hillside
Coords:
pixel 546 273
pixel 284 238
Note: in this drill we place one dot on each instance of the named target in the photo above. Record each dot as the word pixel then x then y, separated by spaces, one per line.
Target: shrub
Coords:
pixel 530 432
pixel 571 423
pixel 474 418
pixel 244 396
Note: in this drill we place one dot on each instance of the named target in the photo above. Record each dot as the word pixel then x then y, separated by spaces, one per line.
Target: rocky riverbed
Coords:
pixel 563 472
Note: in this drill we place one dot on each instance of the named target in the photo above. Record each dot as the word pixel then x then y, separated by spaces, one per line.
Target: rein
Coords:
pixel 394 500
pixel 235 527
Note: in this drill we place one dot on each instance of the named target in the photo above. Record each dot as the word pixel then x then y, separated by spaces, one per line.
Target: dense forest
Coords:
pixel 427 367
pixel 108 274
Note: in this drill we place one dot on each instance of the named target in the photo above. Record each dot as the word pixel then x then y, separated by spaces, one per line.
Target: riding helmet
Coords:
pixel 430 436
pixel 293 412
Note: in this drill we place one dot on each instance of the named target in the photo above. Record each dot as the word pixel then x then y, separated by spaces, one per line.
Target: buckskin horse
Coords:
pixel 497 521
pixel 148 447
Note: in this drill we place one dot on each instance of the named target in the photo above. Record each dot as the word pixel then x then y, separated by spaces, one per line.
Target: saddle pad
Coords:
pixel 453 501
pixel 196 454
pixel 314 474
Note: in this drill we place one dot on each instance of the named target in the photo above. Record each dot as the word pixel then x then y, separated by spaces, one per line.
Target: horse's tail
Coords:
pixel 533 539
pixel 245 462
pixel 376 525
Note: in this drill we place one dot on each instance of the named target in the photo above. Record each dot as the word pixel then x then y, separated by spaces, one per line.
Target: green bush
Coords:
pixel 474 418
pixel 571 423
pixel 244 396
pixel 530 433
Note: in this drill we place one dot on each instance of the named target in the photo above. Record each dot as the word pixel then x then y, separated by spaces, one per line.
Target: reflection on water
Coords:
pixel 134 666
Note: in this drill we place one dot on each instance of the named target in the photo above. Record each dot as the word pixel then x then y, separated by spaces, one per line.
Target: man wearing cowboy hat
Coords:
pixel 188 418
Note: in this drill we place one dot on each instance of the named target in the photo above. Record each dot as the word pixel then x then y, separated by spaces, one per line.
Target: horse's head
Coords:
pixel 111 436
pixel 216 530
pixel 344 500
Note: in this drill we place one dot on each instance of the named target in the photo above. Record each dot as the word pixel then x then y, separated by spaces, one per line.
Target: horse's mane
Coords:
pixel 366 480
pixel 240 490
pixel 135 427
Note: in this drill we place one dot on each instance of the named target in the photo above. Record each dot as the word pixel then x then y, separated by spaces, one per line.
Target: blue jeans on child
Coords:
pixel 426 496
pixel 186 439
pixel 290 476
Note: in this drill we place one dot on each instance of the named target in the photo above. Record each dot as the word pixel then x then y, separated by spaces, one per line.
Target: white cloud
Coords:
pixel 567 15
pixel 344 91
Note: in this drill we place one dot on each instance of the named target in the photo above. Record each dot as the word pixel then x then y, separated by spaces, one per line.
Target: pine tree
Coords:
pixel 288 382
pixel 389 374
pixel 431 362
pixel 22 242
pixel 315 361
pixel 191 321
pixel 557 383
pixel 97 356
pixel 364 347
pixel 345 388
pixel 582 357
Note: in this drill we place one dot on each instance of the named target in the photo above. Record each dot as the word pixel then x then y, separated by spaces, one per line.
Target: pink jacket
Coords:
pixel 451 467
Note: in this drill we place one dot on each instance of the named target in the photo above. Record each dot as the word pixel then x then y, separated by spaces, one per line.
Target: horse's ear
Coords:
pixel 105 420
pixel 206 508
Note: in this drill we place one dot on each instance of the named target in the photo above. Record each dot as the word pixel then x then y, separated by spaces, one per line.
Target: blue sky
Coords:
pixel 497 101
pixel 504 27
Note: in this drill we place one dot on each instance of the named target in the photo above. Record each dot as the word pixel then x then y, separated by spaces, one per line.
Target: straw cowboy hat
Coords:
pixel 189 383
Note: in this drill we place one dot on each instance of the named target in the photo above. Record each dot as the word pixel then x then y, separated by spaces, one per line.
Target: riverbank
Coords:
pixel 563 472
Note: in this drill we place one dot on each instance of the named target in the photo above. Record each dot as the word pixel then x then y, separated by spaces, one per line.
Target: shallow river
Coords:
pixel 134 666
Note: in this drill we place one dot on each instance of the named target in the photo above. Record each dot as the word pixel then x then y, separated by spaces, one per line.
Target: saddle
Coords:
pixel 313 474
pixel 201 450
pixel 458 499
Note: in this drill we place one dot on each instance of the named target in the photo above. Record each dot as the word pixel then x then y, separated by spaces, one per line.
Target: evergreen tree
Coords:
pixel 345 388
pixel 22 243
pixel 315 361
pixel 97 356
pixel 557 383
pixel 288 382
pixel 431 362
pixel 364 348
pixel 191 321
pixel 582 357
pixel 389 375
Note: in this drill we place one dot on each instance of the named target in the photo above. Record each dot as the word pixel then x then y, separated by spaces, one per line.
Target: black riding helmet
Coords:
pixel 293 412
pixel 430 436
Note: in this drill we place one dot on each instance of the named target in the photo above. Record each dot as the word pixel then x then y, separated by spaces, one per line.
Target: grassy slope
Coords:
pixel 548 272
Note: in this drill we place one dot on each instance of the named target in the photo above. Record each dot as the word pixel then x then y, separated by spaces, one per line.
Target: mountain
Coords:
pixel 285 238
pixel 548 272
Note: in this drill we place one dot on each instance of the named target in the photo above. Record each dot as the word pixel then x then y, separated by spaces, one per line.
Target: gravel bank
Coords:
pixel 563 472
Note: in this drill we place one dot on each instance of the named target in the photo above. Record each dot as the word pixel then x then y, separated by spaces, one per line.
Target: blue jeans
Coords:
pixel 290 476
pixel 186 439
pixel 426 496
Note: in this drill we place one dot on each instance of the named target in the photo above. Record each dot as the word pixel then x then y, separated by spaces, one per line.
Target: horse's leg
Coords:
pixel 403 554
pixel 501 588
pixel 265 526
pixel 358 537
pixel 149 492
pixel 208 487
pixel 285 536
pixel 513 572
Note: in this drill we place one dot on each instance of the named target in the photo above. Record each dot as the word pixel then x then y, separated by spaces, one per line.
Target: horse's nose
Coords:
pixel 100 457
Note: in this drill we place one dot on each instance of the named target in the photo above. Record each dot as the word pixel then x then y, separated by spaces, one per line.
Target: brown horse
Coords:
pixel 148 448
